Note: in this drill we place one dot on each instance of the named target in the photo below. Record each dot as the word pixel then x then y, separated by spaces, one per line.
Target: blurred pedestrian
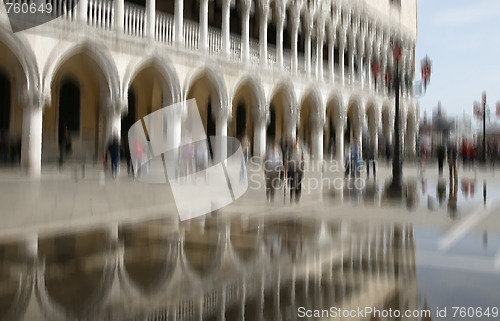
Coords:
pixel 245 147
pixel 64 143
pixel 452 162
pixel 114 154
pixel 441 153
pixel 273 168
pixel 295 163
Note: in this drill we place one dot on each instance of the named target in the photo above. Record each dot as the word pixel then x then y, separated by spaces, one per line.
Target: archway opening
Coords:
pixel 69 105
pixel 5 102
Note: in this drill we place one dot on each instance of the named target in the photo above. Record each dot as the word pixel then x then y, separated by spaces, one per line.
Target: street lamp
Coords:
pixel 480 113
pixel 396 187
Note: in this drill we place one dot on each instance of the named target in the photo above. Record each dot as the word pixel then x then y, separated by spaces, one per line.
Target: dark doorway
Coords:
pixel 271 128
pixel 240 119
pixel 69 105
pixel 4 102
pixel 347 133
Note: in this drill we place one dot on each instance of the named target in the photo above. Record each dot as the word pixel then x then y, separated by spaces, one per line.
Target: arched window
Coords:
pixel 69 104
pixel 4 102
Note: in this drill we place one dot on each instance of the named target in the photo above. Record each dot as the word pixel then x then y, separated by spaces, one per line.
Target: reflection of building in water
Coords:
pixel 218 270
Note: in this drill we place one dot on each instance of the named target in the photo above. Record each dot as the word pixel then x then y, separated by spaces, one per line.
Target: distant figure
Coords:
pixel 64 143
pixel 273 166
pixel 452 162
pixel 201 159
pixel 355 159
pixel 114 154
pixel 388 152
pixel 347 165
pixel 465 152
pixel 295 170
pixel 441 153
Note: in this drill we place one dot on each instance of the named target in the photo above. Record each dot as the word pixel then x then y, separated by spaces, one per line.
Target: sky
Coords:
pixel 462 38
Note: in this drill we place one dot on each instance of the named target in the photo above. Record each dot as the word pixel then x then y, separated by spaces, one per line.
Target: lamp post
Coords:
pixel 396 187
pixel 480 113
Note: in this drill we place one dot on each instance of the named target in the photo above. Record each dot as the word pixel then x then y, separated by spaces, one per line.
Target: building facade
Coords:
pixel 272 69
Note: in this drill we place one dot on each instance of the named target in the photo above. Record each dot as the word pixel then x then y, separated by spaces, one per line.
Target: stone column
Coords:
pixel 292 121
pixel 221 130
pixel 264 17
pixel 317 142
pixel 225 29
pixel 245 37
pixel 361 51
pixel 203 28
pixel 119 14
pixel 352 49
pixel 319 50
pixel 368 58
pixel 383 69
pixel 280 21
pixel 150 18
pixel 339 140
pixel 374 127
pixel 308 25
pixel 342 41
pixel 331 52
pixel 259 136
pixel 295 20
pixel 179 22
pixel 114 124
pixel 83 7
pixel 31 145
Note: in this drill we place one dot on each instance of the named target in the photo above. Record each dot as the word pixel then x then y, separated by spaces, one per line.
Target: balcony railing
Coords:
pixel 164 28
pixel 191 35
pixel 65 9
pixel 214 41
pixel 134 20
pixel 100 13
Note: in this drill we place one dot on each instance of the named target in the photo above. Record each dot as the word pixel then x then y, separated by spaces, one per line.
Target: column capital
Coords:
pixel 308 22
pixel 295 18
pixel 264 7
pixel 280 11
pixel 246 5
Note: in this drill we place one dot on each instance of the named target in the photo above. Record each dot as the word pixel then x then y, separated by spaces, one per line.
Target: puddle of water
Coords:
pixel 257 269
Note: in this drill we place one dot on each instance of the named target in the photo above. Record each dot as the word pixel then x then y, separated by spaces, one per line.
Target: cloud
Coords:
pixel 469 13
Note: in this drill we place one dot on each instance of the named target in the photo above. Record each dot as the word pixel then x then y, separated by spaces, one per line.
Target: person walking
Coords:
pixel 441 153
pixel 452 162
pixel 295 164
pixel 273 166
pixel 114 154
pixel 64 143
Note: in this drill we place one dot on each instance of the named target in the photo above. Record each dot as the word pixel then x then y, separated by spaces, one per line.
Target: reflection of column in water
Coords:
pixel 221 307
pixel 260 306
pixel 241 312
pixel 277 281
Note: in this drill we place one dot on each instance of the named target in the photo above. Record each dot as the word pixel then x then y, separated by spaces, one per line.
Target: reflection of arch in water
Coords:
pixel 244 243
pixel 75 297
pixel 149 259
pixel 202 249
pixel 16 283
